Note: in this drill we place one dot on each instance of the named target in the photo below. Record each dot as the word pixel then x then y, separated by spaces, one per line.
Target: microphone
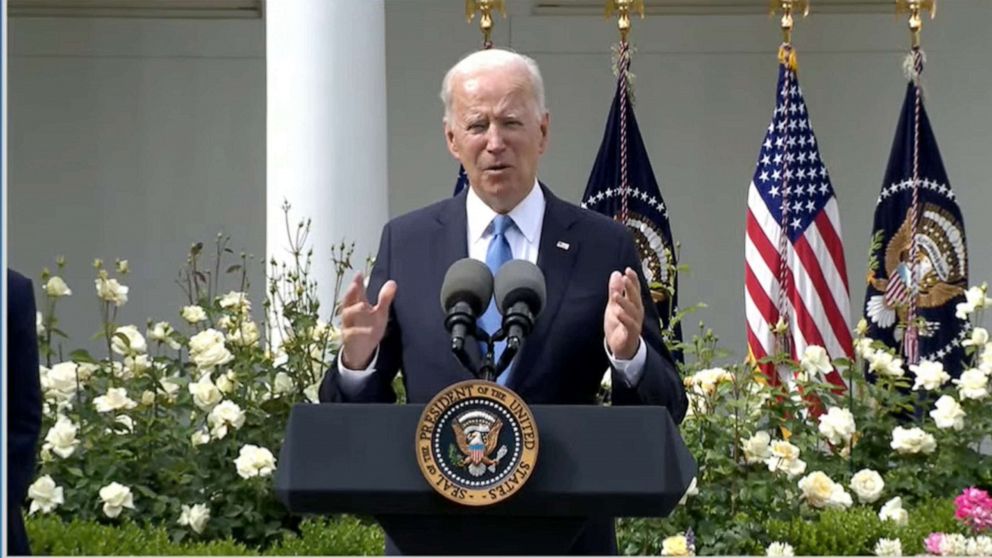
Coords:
pixel 465 295
pixel 520 297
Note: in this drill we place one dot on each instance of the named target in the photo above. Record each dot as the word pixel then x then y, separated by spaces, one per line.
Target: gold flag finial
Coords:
pixel 623 8
pixel 485 9
pixel 913 8
pixel 788 7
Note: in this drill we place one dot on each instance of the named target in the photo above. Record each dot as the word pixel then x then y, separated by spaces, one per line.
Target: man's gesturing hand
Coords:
pixel 363 325
pixel 624 315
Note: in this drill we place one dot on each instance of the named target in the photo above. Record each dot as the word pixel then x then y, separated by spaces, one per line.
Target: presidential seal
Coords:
pixel 477 443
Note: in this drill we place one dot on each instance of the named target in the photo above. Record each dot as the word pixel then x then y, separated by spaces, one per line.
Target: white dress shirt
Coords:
pixel 524 239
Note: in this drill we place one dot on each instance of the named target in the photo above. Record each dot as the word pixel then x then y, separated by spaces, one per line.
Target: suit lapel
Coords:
pixel 556 257
pixel 450 244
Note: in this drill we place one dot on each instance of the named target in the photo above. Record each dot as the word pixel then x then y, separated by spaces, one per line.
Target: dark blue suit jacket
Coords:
pixel 23 404
pixel 563 359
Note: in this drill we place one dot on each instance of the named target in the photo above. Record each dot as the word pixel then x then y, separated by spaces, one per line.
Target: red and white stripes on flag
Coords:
pixel 794 256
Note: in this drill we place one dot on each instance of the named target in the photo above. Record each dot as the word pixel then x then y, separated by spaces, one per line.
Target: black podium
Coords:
pixel 593 462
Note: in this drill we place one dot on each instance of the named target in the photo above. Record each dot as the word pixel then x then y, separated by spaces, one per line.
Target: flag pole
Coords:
pixel 485 9
pixel 787 57
pixel 913 8
pixel 622 9
pixel 912 333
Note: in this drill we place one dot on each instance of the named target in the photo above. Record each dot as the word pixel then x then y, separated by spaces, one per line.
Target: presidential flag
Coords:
pixel 622 186
pixel 918 260
pixel 796 290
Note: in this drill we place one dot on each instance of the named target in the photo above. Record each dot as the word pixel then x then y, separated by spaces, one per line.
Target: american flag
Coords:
pixel 794 256
pixel 461 182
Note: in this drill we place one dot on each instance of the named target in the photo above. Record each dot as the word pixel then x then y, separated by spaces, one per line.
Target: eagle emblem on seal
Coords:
pixel 477 437
pixel 942 268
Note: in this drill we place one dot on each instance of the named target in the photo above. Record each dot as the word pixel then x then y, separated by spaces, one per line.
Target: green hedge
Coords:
pixel 343 535
pixel 854 532
pixel 829 533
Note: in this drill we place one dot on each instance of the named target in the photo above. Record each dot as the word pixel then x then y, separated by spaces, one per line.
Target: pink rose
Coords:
pixel 933 542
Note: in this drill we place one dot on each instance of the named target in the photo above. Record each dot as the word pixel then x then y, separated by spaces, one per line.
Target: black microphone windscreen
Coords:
pixel 469 281
pixel 520 281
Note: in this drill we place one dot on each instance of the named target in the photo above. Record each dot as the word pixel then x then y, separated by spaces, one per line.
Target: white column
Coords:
pixel 326 127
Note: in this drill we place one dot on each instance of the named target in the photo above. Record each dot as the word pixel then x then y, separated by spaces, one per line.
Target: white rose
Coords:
pixel 237 301
pixel 985 362
pixel 867 486
pixel 283 384
pixel 676 545
pixel 163 332
pixel 253 461
pixel 245 335
pixel 205 393
pixel 39 324
pixel 912 440
pixel 973 384
pixel 55 287
pixel 61 437
pixel 147 397
pixel 110 290
pixel 207 349
pixel 200 437
pixel 885 364
pixel 888 547
pixel 893 511
pixel 863 348
pixel 115 498
pixel 837 425
pixel 815 360
pixel 59 382
pixel 170 387
pixel 784 457
pixel 929 375
pixel 953 544
pixel 193 314
pixel 980 546
pixel 125 421
pixel 227 382
pixel 979 337
pixel 85 370
pixel 706 381
pixel 195 517
pixel 135 345
pixel 312 392
pixel 115 400
pixel 821 492
pixel 948 413
pixel 137 365
pixel 45 496
pixel 976 296
pixel 756 448
pixel 780 549
pixel 224 415
pixel 862 328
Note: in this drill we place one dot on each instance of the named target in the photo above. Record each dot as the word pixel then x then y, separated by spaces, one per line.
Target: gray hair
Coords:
pixel 494 58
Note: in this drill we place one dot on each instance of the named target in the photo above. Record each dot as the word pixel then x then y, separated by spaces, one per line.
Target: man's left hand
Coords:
pixel 624 315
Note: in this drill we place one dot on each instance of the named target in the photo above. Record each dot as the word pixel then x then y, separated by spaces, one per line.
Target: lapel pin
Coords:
pixel 563 245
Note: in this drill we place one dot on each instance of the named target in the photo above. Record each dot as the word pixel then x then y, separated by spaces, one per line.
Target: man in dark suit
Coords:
pixel 598 314
pixel 23 404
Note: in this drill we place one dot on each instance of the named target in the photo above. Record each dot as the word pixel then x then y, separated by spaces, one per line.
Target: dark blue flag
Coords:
pixel 461 182
pixel 646 212
pixel 941 268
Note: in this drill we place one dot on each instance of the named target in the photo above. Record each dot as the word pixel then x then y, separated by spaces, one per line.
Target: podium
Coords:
pixel 594 462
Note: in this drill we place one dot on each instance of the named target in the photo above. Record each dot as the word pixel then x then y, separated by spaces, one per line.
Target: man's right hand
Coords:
pixel 363 325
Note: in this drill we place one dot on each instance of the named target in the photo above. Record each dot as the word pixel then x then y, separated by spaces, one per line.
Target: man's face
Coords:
pixel 495 131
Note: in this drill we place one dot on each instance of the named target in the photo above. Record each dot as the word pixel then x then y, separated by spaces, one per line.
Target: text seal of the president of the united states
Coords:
pixel 477 443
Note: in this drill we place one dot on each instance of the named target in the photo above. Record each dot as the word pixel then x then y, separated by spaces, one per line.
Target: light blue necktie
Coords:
pixel 499 253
